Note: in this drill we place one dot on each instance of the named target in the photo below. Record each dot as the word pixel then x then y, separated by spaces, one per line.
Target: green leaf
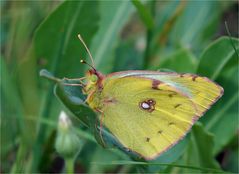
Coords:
pixel 144 14
pixel 191 26
pixel 225 67
pixel 231 153
pixel 56 41
pixel 14 130
pixel 73 99
pixel 114 15
pixel 27 77
pixel 218 53
pixel 169 156
pixel 184 56
pixel 97 157
pixel 57 45
pixel 167 19
pixel 63 48
pixel 11 112
pixel 128 56
pixel 200 149
pixel 222 118
pixel 165 15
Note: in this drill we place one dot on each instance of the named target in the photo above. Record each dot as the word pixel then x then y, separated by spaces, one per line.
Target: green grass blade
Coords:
pixel 144 14
pixel 112 21
pixel 161 164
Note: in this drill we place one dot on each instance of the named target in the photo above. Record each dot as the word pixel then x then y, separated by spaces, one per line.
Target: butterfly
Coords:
pixel 148 111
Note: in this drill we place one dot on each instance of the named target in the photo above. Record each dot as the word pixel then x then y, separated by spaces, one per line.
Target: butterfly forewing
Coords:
pixel 201 90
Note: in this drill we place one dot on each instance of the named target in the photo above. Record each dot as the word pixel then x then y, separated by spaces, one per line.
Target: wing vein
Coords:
pixel 173 116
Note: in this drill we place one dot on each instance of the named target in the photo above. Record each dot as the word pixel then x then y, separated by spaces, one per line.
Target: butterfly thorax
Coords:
pixel 93 89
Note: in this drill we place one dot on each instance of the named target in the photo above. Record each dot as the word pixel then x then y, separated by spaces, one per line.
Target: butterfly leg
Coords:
pixel 75 79
pixel 72 84
pixel 101 127
pixel 82 78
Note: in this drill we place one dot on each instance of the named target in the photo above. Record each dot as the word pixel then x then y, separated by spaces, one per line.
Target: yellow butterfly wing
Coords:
pixel 201 90
pixel 145 130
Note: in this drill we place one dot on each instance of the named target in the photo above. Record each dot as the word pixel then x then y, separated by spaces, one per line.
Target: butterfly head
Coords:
pixel 94 81
pixel 93 77
pixel 93 88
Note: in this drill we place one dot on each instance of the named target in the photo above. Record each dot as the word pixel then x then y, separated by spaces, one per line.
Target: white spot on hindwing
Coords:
pixel 145 105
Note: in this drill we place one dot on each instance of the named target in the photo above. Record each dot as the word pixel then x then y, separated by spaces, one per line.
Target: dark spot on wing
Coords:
pixel 147 139
pixel 155 84
pixel 182 75
pixel 194 77
pixel 109 100
pixel 177 105
pixel 172 94
pixel 151 102
pixel 160 131
pixel 171 123
pixel 147 105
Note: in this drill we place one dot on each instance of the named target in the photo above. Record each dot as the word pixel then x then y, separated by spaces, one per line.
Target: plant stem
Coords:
pixel 18 166
pixel 37 149
pixel 69 165
pixel 147 54
pixel 147 49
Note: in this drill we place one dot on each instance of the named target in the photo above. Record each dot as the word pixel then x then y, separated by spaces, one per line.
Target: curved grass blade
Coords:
pixel 161 164
pixel 144 14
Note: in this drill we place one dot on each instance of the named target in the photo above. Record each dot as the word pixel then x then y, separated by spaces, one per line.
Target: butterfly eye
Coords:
pixel 93 78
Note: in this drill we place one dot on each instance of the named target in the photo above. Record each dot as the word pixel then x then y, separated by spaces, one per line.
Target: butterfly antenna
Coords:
pixel 230 36
pixel 88 51
pixel 83 61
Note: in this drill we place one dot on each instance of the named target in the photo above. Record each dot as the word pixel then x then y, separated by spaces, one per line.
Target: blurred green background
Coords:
pixel 181 36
